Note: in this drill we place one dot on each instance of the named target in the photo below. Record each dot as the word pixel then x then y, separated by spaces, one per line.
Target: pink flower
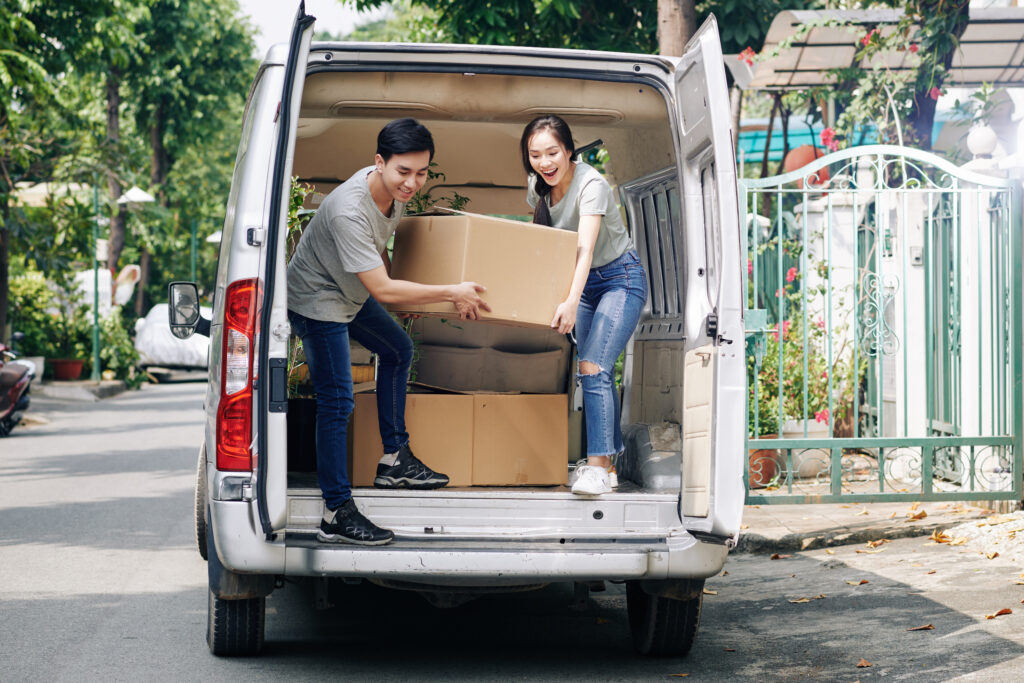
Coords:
pixel 747 56
pixel 934 93
pixel 786 324
pixel 791 274
pixel 750 267
pixel 867 37
pixel 778 293
pixel 824 374
pixel 828 139
pixel 913 47
pixel 822 416
pixel 820 323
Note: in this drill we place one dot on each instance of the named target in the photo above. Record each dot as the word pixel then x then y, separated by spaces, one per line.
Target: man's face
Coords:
pixel 404 174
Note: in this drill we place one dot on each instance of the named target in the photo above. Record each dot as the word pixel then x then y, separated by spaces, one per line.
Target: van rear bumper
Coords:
pixel 466 561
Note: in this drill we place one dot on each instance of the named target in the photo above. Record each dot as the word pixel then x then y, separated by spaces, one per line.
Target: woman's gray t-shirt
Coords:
pixel 346 236
pixel 589 194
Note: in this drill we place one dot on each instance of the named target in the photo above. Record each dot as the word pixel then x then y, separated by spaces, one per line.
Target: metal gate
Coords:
pixel 883 331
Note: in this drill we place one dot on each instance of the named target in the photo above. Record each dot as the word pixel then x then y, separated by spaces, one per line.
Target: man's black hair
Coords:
pixel 402 136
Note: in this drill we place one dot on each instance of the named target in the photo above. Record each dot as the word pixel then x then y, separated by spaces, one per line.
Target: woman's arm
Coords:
pixel 565 314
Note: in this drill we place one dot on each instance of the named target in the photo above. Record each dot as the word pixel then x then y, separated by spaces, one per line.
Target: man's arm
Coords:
pixel 465 296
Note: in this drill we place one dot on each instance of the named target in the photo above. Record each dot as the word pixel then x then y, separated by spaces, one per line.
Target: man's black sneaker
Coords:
pixel 408 473
pixel 349 526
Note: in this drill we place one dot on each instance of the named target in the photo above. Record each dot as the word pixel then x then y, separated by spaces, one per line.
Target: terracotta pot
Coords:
pixel 799 157
pixel 66 368
pixel 763 465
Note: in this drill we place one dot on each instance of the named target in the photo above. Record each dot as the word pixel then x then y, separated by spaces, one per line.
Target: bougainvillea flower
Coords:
pixel 934 93
pixel 750 267
pixel 867 37
pixel 791 274
pixel 828 139
pixel 822 416
pixel 913 47
pixel 747 56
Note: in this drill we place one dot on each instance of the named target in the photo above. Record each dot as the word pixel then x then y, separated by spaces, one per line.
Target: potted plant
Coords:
pixel 71 330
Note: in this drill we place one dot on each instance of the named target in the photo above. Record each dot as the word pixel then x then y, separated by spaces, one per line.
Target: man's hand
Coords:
pixel 565 316
pixel 466 297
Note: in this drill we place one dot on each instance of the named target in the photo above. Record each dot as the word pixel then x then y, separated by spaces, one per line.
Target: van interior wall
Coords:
pixel 476 122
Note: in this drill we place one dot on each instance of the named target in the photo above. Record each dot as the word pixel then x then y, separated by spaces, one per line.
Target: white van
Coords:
pixel 313 112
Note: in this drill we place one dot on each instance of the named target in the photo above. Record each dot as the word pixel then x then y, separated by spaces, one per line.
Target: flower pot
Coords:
pixel 808 463
pixel 762 465
pixel 65 369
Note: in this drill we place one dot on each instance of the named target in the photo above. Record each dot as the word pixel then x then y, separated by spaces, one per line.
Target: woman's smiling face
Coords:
pixel 549 158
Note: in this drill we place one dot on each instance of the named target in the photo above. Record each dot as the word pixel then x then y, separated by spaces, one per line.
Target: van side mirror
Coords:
pixel 183 310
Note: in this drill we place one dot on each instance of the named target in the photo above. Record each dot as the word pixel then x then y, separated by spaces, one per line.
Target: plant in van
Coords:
pixel 423 201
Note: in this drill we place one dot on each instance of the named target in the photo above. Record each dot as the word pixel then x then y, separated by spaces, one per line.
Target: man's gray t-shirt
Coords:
pixel 589 194
pixel 345 237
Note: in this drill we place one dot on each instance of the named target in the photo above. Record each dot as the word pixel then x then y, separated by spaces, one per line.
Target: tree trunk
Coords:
pixel 145 260
pixel 5 238
pixel 120 219
pixel 677 22
pixel 921 119
pixel 159 166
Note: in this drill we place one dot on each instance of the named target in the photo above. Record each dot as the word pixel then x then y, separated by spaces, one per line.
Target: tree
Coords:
pixel 677 22
pixel 195 67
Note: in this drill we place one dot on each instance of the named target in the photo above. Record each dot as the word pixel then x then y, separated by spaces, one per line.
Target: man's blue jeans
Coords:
pixel 326 345
pixel 609 311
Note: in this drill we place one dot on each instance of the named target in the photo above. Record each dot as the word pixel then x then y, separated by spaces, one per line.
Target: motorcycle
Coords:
pixel 15 380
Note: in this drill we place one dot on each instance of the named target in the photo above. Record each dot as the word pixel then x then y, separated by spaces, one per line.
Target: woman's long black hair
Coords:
pixel 560 129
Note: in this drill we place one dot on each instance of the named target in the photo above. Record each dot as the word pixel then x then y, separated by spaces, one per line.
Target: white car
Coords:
pixel 158 347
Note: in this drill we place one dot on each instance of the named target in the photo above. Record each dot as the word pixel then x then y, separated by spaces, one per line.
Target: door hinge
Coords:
pixel 711 329
pixel 254 236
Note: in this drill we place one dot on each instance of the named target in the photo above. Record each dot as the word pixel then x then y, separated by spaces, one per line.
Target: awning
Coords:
pixel 991 49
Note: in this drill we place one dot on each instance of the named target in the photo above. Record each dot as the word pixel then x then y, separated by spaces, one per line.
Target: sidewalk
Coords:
pixel 80 390
pixel 787 528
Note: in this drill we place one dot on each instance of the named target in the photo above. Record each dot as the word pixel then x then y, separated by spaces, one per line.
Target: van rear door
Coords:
pixel 714 417
pixel 272 329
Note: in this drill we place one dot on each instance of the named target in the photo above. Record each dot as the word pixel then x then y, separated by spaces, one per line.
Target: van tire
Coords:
pixel 661 627
pixel 199 513
pixel 235 627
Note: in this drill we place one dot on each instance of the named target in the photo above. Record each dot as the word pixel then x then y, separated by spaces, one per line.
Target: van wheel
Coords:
pixel 234 628
pixel 661 626
pixel 199 514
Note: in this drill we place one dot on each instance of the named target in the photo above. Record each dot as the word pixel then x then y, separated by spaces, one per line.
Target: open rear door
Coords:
pixel 714 414
pixel 272 344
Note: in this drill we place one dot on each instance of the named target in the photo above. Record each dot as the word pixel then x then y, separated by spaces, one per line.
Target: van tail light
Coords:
pixel 234 410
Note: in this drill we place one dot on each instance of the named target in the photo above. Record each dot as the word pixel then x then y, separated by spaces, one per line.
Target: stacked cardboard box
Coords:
pixel 508 423
pixel 526 268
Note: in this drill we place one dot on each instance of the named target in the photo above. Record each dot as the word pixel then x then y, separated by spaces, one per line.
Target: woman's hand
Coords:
pixel 565 316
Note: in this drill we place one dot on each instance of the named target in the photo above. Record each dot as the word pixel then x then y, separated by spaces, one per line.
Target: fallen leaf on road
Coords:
pixel 829 552
pixel 800 601
pixel 709 592
pixel 993 521
pixel 926 627
pixel 679 675
pixel 1019 582
pixel 875 544
pixel 1000 613
pixel 863 663
pixel 917 564
pixel 858 583
pixel 939 537
pixel 725 573
pixel 779 556
pixel 894 513
pixel 917 515
pixel 959 540
pixel 864 512
pixel 915 505
pixel 870 552
pixel 744 526
pixel 931 572
pixel 992 555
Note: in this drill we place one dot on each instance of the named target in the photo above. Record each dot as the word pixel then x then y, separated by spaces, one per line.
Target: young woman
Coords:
pixel 608 289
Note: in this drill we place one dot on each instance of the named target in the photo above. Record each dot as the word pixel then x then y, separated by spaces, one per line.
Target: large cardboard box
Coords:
pixel 526 268
pixel 491 371
pixel 482 439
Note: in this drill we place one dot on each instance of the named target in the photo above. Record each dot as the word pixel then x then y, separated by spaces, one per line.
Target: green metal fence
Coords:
pixel 884 296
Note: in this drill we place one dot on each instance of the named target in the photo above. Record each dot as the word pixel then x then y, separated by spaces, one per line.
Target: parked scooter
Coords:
pixel 15 379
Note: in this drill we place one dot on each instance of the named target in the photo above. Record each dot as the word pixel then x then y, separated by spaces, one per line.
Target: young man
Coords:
pixel 337 280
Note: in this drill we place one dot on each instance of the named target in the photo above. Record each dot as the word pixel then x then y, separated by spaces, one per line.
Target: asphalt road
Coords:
pixel 100 580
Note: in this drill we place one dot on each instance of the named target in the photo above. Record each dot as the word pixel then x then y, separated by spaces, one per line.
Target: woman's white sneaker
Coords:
pixel 613 477
pixel 591 481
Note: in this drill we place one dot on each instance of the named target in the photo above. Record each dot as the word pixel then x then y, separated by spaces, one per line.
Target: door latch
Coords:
pixel 254 236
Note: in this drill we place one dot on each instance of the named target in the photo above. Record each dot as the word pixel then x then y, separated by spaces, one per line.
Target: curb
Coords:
pixel 80 391
pixel 755 543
